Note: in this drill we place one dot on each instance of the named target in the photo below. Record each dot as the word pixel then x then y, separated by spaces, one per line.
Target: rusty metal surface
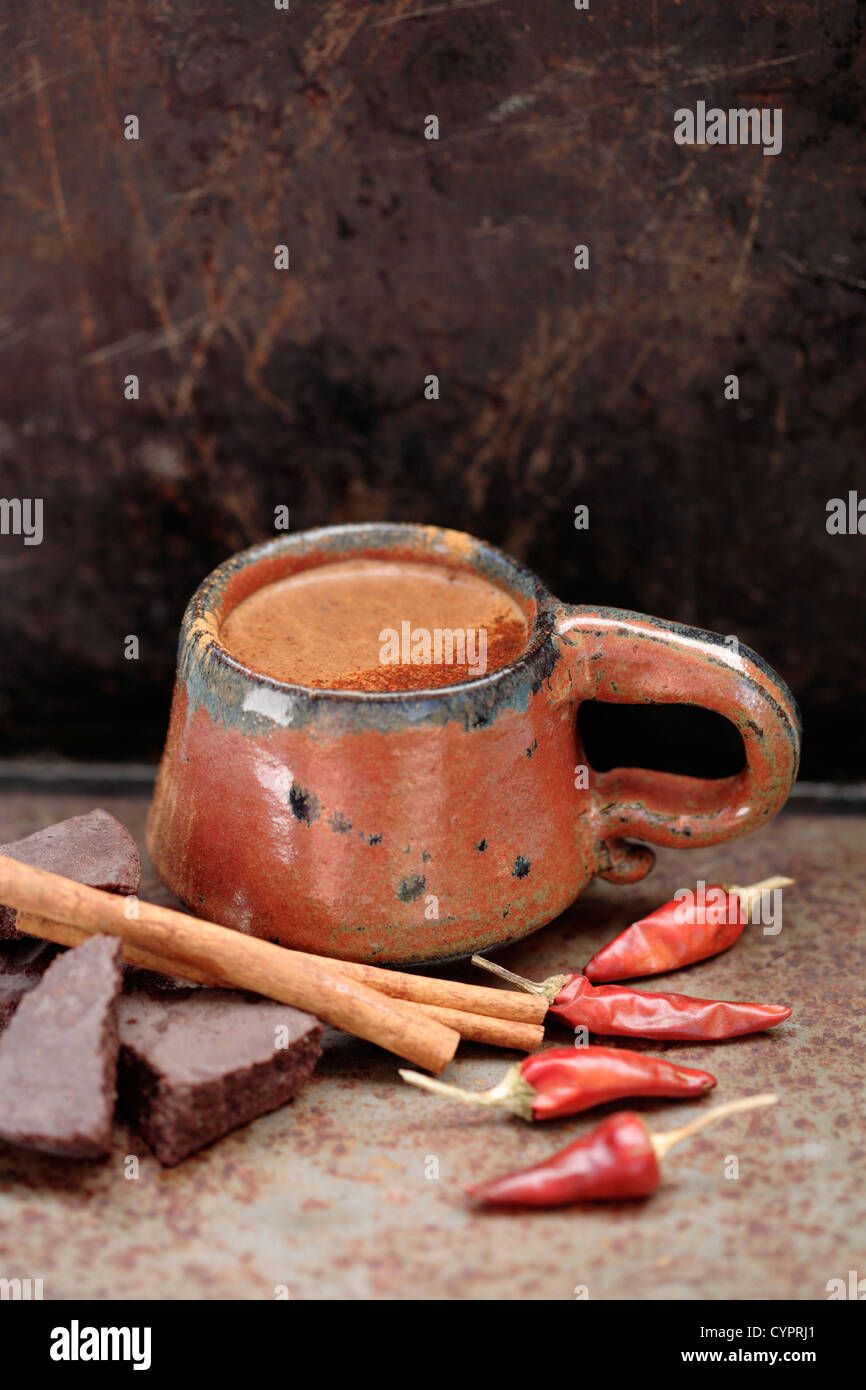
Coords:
pixel 330 1196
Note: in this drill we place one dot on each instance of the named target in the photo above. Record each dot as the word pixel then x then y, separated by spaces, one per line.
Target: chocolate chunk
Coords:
pixel 94 849
pixel 196 1064
pixel 22 965
pixel 58 1056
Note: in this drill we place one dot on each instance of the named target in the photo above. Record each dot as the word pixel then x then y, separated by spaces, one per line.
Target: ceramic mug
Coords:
pixel 410 826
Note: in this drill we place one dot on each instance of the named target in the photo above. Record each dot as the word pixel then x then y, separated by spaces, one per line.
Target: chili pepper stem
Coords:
pixel 512 1093
pixel 548 989
pixel 750 895
pixel 663 1143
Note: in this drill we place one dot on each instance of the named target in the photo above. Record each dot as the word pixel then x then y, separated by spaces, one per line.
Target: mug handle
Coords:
pixel 631 658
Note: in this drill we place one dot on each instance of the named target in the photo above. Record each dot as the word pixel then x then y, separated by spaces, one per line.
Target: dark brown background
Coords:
pixel 410 257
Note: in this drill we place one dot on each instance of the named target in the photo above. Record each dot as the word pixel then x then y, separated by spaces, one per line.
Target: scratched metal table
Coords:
pixel 355 1190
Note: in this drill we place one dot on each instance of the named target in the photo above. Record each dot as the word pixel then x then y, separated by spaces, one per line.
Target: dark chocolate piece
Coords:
pixel 198 1063
pixel 58 1056
pixel 22 965
pixel 94 849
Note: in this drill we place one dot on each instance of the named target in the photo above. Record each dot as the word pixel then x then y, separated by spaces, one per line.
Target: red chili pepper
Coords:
pixel 615 1010
pixel 567 1080
pixel 617 1159
pixel 689 928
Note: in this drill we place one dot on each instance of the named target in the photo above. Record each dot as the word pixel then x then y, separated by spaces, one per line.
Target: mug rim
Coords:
pixel 200 627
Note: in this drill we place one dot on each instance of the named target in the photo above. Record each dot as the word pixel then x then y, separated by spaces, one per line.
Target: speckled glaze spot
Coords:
pixel 305 806
pixel 411 888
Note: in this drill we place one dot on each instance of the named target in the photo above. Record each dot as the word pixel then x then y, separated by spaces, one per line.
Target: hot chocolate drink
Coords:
pixel 371 624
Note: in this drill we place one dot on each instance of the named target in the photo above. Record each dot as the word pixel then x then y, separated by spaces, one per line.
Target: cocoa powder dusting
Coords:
pixel 377 625
pixel 505 641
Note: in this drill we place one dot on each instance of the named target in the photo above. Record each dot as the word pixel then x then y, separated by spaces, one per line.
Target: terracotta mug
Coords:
pixel 410 826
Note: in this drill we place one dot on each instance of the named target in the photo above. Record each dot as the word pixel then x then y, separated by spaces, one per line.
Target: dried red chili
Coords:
pixel 617 1159
pixel 680 932
pixel 567 1080
pixel 616 1011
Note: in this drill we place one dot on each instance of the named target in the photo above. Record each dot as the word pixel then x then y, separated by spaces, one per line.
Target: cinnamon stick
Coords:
pixel 64 935
pixel 449 994
pixel 234 958
pixel 497 1032
pixel 420 989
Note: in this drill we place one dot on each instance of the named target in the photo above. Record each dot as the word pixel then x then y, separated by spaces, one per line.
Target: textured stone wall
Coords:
pixel 408 257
